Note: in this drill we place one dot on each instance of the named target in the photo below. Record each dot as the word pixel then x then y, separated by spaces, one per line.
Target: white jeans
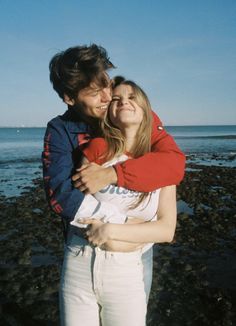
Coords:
pixel 97 283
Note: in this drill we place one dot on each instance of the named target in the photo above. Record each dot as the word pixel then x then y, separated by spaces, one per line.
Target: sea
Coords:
pixel 21 148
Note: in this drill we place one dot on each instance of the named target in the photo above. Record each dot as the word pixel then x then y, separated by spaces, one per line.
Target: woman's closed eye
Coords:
pixel 116 98
pixel 132 97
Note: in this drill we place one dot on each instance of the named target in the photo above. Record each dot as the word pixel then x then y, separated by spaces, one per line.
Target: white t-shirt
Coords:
pixel 112 204
pixel 124 198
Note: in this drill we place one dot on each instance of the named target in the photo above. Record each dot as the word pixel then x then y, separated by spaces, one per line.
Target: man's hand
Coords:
pixel 92 177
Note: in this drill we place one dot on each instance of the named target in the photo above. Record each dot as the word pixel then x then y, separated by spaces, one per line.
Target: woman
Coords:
pixel 106 271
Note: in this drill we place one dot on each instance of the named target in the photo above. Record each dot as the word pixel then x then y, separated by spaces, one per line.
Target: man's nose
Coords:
pixel 106 94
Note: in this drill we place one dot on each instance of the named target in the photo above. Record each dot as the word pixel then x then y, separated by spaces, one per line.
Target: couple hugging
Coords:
pixel 110 172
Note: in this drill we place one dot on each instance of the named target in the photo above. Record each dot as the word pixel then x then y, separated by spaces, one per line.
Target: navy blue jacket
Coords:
pixel 60 157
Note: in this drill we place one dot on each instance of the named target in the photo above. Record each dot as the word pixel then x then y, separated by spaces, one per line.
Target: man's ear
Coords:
pixel 68 100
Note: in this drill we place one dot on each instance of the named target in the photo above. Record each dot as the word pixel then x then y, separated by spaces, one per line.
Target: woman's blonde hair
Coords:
pixel 115 139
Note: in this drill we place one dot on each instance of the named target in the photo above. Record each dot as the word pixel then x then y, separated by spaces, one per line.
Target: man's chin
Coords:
pixel 101 115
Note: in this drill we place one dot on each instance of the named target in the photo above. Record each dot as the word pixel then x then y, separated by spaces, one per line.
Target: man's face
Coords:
pixel 94 100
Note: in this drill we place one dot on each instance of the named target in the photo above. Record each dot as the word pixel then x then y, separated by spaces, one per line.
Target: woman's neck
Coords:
pixel 130 136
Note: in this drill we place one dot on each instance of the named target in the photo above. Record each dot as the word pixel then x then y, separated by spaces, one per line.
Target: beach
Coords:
pixel 194 277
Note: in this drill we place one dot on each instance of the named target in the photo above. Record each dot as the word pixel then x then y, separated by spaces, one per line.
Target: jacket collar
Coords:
pixel 74 122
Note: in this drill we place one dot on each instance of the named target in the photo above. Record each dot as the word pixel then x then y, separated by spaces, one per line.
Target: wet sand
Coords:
pixel 194 279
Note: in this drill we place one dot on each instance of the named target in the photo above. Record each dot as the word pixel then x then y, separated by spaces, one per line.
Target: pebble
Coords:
pixel 187 287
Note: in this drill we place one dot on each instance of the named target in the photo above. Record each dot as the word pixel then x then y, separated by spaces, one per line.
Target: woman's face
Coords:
pixel 124 111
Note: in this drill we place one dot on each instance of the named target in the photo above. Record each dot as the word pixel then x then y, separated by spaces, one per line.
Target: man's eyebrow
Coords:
pixel 94 89
pixel 90 89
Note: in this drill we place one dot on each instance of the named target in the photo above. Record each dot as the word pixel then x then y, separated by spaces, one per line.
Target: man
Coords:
pixel 79 76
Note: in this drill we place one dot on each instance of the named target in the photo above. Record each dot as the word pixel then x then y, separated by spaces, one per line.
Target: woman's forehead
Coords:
pixel 123 89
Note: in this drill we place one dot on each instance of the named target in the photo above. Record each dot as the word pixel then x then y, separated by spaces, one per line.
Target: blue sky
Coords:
pixel 182 52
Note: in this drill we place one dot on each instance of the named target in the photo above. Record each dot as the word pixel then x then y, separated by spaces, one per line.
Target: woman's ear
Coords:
pixel 68 100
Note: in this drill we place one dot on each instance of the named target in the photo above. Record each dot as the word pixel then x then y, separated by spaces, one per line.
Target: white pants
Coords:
pixel 98 284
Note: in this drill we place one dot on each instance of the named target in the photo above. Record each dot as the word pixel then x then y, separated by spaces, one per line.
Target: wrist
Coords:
pixel 110 231
pixel 112 176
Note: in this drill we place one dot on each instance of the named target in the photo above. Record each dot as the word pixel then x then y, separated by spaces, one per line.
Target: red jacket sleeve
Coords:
pixel 95 151
pixel 162 167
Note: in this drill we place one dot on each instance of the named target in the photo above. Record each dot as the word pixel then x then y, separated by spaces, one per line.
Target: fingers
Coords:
pixel 94 242
pixel 92 235
pixel 79 175
pixel 92 239
pixel 77 183
pixel 81 184
pixel 88 221
pixel 80 172
pixel 83 167
pixel 84 188
pixel 75 177
pixel 89 178
pixel 81 187
pixel 86 166
pixel 83 222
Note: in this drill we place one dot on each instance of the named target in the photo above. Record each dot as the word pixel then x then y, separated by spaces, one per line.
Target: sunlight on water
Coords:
pixel 20 151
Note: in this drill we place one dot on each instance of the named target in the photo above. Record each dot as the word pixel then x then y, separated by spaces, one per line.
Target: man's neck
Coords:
pixel 92 122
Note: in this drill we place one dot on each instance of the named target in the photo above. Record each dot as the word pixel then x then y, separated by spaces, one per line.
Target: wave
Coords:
pixel 21 160
pixel 207 137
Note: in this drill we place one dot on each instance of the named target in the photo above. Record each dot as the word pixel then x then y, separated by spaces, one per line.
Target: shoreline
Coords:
pixel 194 277
pixel 30 168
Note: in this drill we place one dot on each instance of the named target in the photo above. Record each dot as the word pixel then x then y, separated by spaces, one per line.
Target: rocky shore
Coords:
pixel 194 279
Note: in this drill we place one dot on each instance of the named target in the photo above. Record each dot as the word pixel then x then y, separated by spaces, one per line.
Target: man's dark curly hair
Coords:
pixel 75 68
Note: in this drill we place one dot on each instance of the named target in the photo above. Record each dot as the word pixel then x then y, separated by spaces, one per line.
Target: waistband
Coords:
pixel 79 232
pixel 117 254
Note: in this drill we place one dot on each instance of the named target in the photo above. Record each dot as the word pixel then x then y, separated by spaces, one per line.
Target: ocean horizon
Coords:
pixel 21 148
pixel 168 126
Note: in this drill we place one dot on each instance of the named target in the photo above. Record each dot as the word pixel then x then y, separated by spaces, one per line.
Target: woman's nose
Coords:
pixel 123 100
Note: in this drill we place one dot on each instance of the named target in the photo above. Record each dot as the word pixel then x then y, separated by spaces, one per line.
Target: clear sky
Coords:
pixel 182 52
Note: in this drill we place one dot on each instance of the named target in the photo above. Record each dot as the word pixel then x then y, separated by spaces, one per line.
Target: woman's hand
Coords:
pixel 98 232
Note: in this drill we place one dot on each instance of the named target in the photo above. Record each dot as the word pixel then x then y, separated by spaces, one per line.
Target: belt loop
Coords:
pixel 83 249
pixel 108 255
pixel 86 251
